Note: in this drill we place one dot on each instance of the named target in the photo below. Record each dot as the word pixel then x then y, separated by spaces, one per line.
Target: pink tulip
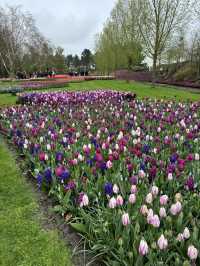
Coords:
pixel 176 208
pixel 74 162
pixel 119 200
pixel 115 189
pixel 143 248
pixel 104 146
pixel 170 177
pixel 85 201
pixel 59 171
pixel 164 199
pixel 132 198
pixel 180 237
pixel 144 210
pixel 99 157
pixel 86 149
pixel 125 219
pixel 149 216
pixel 109 164
pixel 162 242
pixel 42 156
pixel 186 233
pixel 133 189
pixel 154 191
pixel 155 221
pixel 112 203
pixel 141 174
pixel 162 212
pixel 192 252
pixel 149 198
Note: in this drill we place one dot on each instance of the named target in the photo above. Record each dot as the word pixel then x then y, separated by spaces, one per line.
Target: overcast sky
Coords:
pixel 71 24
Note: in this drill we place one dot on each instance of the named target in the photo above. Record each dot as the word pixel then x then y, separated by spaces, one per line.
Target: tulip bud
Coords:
pixel 178 197
pixel 162 242
pixel 164 199
pixel 143 248
pixel 84 201
pixel 120 241
pixel 115 189
pixel 162 212
pixel 154 191
pixel 144 210
pixel 112 203
pixel 133 189
pixel 192 252
pixel 119 200
pixel 170 177
pixel 196 157
pixel 109 164
pixel 132 198
pixel 149 198
pixel 125 219
pixel 186 233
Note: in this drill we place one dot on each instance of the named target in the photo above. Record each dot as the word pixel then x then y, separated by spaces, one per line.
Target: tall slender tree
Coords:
pixel 119 45
pixel 157 22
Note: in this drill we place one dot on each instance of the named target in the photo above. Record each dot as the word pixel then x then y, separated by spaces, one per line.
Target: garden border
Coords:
pixel 49 219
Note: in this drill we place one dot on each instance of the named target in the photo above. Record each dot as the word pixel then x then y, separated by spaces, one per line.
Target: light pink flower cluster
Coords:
pixel 153 219
pixel 184 236
pixel 84 201
pixel 144 210
pixel 164 199
pixel 132 198
pixel 192 252
pixel 162 242
pixel 114 202
pixel 176 208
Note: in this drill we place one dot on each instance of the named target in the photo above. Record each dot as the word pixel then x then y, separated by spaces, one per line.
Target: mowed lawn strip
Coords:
pixel 23 242
pixel 141 89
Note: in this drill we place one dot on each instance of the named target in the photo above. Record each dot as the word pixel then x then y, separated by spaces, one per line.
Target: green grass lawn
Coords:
pixel 23 242
pixel 7 100
pixel 141 89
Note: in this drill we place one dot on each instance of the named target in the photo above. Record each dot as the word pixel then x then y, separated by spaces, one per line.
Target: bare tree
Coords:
pixel 197 9
pixel 157 22
pixel 16 27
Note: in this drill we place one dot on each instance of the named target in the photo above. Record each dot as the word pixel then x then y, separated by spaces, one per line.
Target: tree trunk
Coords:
pixel 155 58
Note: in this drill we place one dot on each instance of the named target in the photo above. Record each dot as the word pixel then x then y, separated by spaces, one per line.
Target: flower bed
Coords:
pixel 37 85
pixel 127 170
pixel 60 82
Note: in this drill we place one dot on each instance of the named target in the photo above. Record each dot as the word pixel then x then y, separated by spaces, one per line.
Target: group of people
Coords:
pixel 47 74
pixel 37 74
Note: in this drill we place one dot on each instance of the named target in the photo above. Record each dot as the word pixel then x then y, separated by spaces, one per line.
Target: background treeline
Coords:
pixel 24 50
pixel 80 64
pixel 23 47
pixel 164 33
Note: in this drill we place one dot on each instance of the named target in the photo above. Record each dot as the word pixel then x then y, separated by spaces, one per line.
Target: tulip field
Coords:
pixel 123 171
